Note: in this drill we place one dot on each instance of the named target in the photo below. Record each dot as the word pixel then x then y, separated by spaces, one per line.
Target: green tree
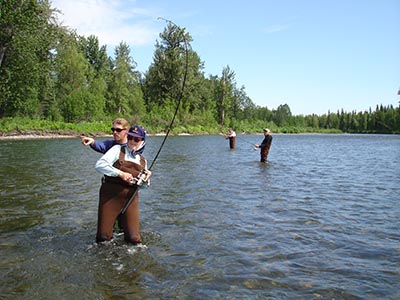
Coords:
pixel 389 119
pixel 195 82
pixel 243 104
pixel 27 36
pixel 323 121
pixel 124 92
pixel 96 55
pixel 282 115
pixel 165 76
pixel 225 93
pixel 362 118
pixel 97 75
pixel 72 83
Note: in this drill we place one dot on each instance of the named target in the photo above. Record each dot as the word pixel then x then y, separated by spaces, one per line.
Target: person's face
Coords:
pixel 119 133
pixel 134 142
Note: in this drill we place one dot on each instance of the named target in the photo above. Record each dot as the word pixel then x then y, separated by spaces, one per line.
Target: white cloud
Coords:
pixel 111 21
pixel 277 28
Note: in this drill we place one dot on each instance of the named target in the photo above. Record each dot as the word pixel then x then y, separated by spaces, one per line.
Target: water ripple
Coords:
pixel 319 221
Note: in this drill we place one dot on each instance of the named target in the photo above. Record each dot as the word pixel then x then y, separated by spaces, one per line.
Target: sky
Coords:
pixel 317 56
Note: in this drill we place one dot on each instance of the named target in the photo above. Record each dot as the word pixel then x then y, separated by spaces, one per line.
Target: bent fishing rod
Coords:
pixel 180 96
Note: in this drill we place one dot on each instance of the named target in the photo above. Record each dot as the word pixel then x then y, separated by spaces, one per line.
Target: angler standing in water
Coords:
pixel 119 128
pixel 231 135
pixel 265 145
pixel 125 170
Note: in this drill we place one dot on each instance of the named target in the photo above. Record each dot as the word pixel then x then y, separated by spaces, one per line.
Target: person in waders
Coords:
pixel 119 129
pixel 265 145
pixel 122 167
pixel 231 135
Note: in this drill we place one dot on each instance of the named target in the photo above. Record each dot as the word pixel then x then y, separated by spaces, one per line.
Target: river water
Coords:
pixel 319 221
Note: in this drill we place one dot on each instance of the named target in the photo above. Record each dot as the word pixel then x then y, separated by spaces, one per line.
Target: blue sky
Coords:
pixel 315 56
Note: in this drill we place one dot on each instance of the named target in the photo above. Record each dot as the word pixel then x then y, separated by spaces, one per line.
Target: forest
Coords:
pixel 51 77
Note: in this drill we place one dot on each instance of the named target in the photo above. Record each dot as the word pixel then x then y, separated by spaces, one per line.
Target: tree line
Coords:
pixel 48 71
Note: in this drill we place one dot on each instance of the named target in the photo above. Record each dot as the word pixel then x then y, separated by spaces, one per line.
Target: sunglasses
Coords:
pixel 136 139
pixel 117 129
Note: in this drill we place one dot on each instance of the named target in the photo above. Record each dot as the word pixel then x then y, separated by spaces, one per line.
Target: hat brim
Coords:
pixel 135 135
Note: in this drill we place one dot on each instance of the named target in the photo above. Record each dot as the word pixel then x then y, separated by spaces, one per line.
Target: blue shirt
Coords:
pixel 104 146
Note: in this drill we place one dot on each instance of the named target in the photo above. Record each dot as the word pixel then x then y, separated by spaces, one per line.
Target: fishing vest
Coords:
pixel 126 166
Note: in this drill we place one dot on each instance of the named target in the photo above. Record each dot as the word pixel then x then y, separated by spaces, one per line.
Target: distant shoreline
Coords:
pixel 35 137
pixel 57 134
pixel 45 134
pixel 66 134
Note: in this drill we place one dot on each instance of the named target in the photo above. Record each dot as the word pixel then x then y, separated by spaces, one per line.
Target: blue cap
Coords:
pixel 137 131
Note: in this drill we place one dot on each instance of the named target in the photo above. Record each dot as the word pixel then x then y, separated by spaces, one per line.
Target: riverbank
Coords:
pixel 43 134
pixel 58 134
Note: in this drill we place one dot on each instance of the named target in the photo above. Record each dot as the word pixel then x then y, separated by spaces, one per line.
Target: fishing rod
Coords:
pixel 252 144
pixel 180 92
pixel 247 142
pixel 142 175
pixel 242 140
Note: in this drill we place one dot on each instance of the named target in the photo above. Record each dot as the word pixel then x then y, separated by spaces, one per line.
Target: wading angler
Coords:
pixel 125 170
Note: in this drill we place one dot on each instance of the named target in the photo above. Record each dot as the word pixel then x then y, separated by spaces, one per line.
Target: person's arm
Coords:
pixel 261 145
pixel 105 164
pixel 266 141
pixel 103 146
pixel 96 146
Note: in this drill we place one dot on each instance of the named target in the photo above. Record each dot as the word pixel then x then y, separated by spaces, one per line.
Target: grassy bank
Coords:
pixel 23 126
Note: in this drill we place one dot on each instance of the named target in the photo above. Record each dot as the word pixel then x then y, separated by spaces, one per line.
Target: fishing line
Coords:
pixel 180 96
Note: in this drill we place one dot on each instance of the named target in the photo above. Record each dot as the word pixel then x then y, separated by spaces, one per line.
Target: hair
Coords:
pixel 121 121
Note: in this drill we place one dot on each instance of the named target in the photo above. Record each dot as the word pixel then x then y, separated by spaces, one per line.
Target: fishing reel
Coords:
pixel 140 179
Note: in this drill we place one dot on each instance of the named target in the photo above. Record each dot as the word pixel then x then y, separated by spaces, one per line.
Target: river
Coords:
pixel 320 220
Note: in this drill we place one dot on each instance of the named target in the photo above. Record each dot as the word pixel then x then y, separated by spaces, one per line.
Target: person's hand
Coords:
pixel 125 176
pixel 148 174
pixel 87 140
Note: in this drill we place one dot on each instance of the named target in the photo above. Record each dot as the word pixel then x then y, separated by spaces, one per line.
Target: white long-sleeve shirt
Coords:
pixel 232 134
pixel 105 164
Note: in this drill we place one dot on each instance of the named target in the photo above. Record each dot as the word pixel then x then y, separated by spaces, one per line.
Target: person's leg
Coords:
pixel 109 208
pixel 232 142
pixel 262 156
pixel 131 222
